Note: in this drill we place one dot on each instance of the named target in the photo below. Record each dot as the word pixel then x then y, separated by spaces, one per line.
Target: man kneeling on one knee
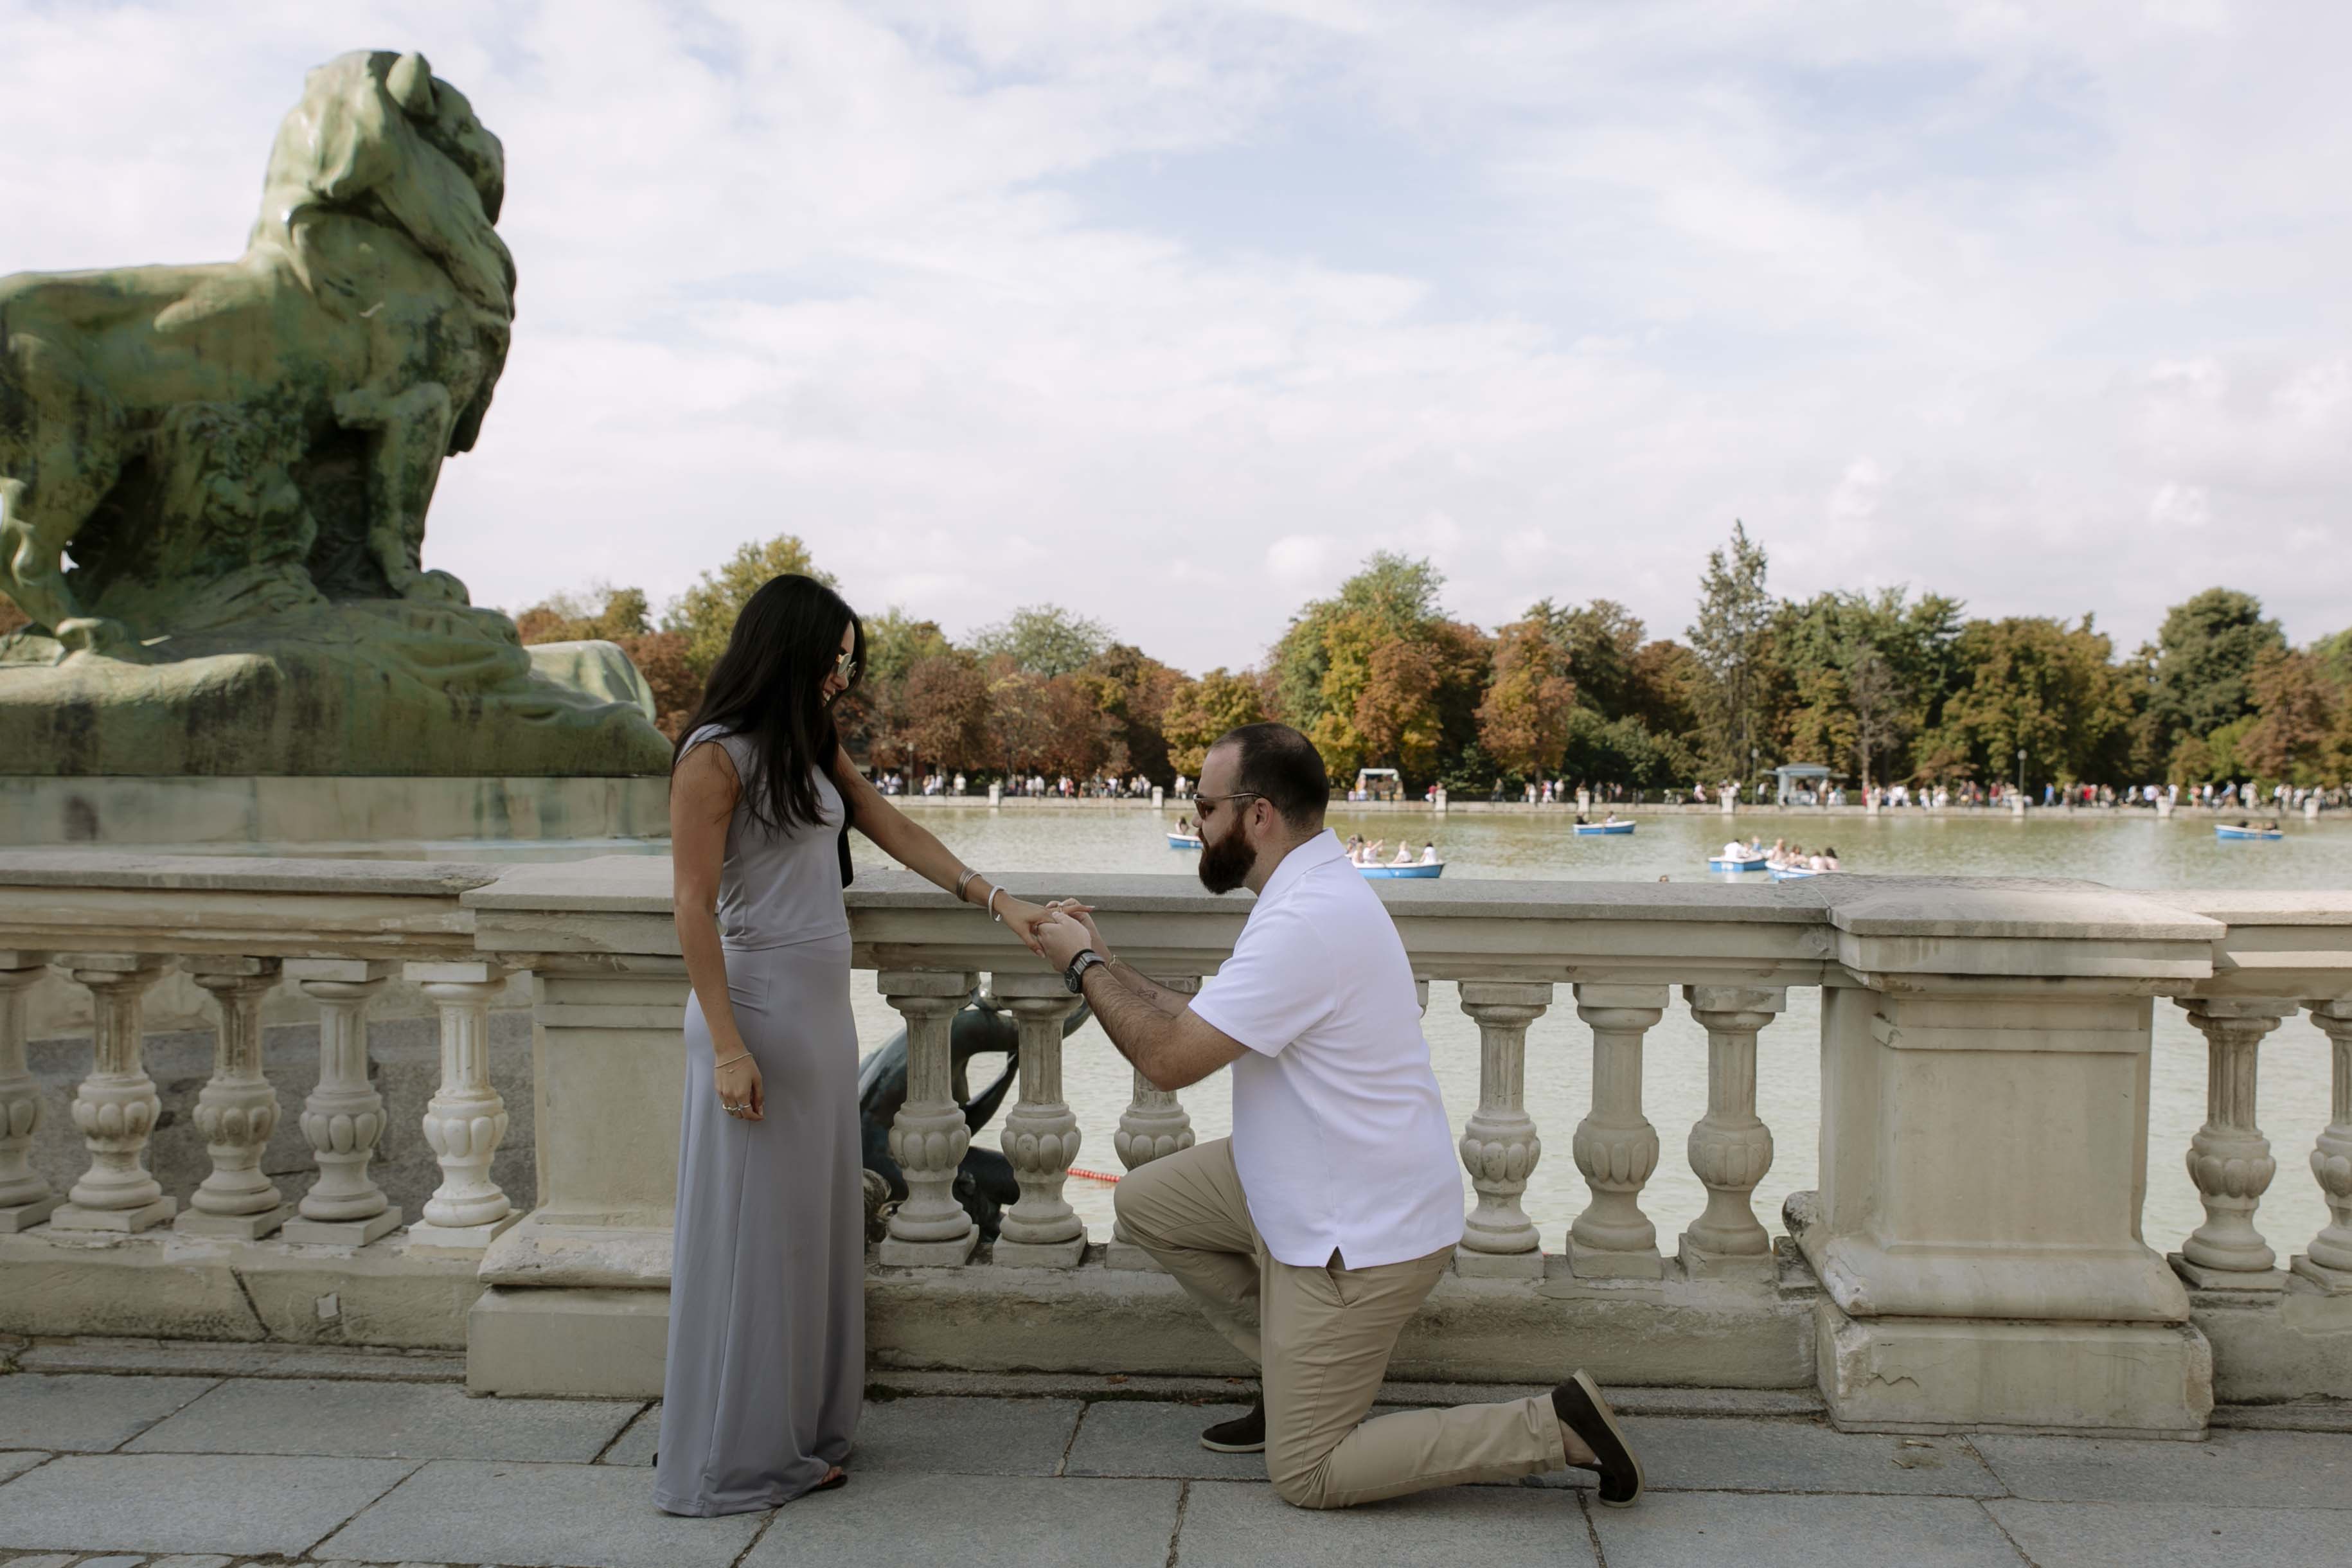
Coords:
pixel 1312 1236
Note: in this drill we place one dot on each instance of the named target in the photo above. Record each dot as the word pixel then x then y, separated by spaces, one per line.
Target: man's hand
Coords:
pixel 1061 938
pixel 1085 915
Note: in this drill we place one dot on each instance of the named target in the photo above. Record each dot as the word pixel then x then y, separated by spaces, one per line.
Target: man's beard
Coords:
pixel 1225 862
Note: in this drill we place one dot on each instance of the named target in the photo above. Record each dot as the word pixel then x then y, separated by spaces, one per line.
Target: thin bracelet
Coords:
pixel 962 882
pixel 730 1061
pixel 993 891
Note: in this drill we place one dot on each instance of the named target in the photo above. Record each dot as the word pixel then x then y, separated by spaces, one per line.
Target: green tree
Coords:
pixel 1378 676
pixel 705 614
pixel 2038 684
pixel 1044 639
pixel 1132 690
pixel 2201 672
pixel 1732 639
pixel 896 642
pixel 1201 710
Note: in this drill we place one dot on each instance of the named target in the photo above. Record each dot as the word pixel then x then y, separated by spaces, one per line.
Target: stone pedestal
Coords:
pixel 1984 1150
pixel 1040 1135
pixel 116 1107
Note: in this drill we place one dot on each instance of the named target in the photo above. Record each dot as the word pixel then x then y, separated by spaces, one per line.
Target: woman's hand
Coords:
pixel 741 1093
pixel 1024 918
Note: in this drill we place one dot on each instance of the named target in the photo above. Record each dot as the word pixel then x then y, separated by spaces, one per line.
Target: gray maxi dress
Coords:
pixel 767 1306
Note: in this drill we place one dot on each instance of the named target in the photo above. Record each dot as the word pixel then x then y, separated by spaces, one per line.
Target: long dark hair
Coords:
pixel 769 687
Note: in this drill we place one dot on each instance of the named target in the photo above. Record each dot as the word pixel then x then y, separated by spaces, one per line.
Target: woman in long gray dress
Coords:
pixel 767 1319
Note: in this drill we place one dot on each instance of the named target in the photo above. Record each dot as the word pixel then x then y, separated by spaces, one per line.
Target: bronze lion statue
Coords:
pixel 216 441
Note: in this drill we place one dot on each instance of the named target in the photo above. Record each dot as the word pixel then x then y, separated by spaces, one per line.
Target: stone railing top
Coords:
pixel 1801 932
pixel 226 873
pixel 2032 908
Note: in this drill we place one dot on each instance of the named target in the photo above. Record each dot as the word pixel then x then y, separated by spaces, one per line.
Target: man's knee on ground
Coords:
pixel 1301 1479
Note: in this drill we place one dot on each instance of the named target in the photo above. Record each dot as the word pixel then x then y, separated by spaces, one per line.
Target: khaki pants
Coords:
pixel 1322 1339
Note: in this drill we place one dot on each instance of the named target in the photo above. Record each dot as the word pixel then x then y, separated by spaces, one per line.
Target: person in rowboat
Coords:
pixel 1312 1236
pixel 1403 854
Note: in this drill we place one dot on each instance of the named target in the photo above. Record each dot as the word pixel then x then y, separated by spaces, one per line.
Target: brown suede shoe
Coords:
pixel 1581 1409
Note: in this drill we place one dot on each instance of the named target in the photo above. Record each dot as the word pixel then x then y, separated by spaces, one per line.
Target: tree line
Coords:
pixel 1883 687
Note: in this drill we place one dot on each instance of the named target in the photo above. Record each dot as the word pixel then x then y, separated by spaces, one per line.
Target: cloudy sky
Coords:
pixel 1172 312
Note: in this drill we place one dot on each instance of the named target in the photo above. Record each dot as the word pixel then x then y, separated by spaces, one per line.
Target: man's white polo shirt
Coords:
pixel 1339 1134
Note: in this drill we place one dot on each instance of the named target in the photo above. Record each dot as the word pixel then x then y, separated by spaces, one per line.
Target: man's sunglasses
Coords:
pixel 1208 802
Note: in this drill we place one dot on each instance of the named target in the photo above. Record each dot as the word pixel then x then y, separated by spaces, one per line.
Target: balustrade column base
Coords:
pixel 1498 1265
pixel 25 1216
pixel 2200 1277
pixel 304 1231
pixel 1954 1374
pixel 1126 1254
pixel 1040 1254
pixel 2334 1281
pixel 892 1253
pixel 1593 1263
pixel 429 1240
pixel 119 1222
pixel 1700 1264
pixel 244 1227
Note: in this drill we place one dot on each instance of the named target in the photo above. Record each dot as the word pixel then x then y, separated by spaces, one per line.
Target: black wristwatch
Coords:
pixel 1073 978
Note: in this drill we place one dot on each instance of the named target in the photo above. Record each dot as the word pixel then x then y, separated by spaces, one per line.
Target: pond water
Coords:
pixel 2124 850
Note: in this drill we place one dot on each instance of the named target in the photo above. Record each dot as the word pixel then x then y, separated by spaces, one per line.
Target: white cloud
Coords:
pixel 1011 301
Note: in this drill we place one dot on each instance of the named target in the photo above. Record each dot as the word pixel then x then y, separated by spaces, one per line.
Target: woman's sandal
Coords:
pixel 840 1477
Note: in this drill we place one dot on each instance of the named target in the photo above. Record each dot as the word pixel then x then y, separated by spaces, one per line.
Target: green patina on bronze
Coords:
pixel 238 458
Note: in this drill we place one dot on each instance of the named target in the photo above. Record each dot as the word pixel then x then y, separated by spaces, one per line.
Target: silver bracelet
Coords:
pixel 993 891
pixel 730 1061
pixel 962 882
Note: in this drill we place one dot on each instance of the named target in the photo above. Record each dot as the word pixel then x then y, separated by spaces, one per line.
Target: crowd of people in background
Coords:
pixel 1965 794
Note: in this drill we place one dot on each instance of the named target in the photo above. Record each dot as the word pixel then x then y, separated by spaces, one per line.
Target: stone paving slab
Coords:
pixel 966 1437
pixel 385 1421
pixel 1698 1455
pixel 638 1441
pixel 976 1522
pixel 189 1503
pixel 1675 1530
pixel 1229 1524
pixel 1122 1439
pixel 2228 1470
pixel 544 1516
pixel 2132 1535
pixel 84 1413
pixel 16 1464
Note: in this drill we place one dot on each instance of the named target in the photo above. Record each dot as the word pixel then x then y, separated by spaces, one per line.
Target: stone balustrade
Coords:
pixel 1972 1258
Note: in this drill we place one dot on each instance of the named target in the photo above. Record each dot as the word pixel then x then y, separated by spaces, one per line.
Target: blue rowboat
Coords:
pixel 1793 873
pixel 1416 872
pixel 2222 830
pixel 1593 828
pixel 1184 841
pixel 1745 863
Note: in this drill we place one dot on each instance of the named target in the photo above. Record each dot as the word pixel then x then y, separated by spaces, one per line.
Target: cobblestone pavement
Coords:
pixel 192 1456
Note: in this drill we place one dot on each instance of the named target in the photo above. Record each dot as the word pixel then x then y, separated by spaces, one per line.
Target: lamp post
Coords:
pixel 2021 773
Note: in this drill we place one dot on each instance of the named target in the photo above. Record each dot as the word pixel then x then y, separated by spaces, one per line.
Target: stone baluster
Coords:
pixel 1730 1149
pixel 26 1198
pixel 116 1107
pixel 1615 1146
pixel 2329 1261
pixel 2229 1159
pixel 929 1137
pixel 1155 1123
pixel 236 1110
pixel 343 1117
pixel 1041 1134
pixel 1499 1145
pixel 465 1119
